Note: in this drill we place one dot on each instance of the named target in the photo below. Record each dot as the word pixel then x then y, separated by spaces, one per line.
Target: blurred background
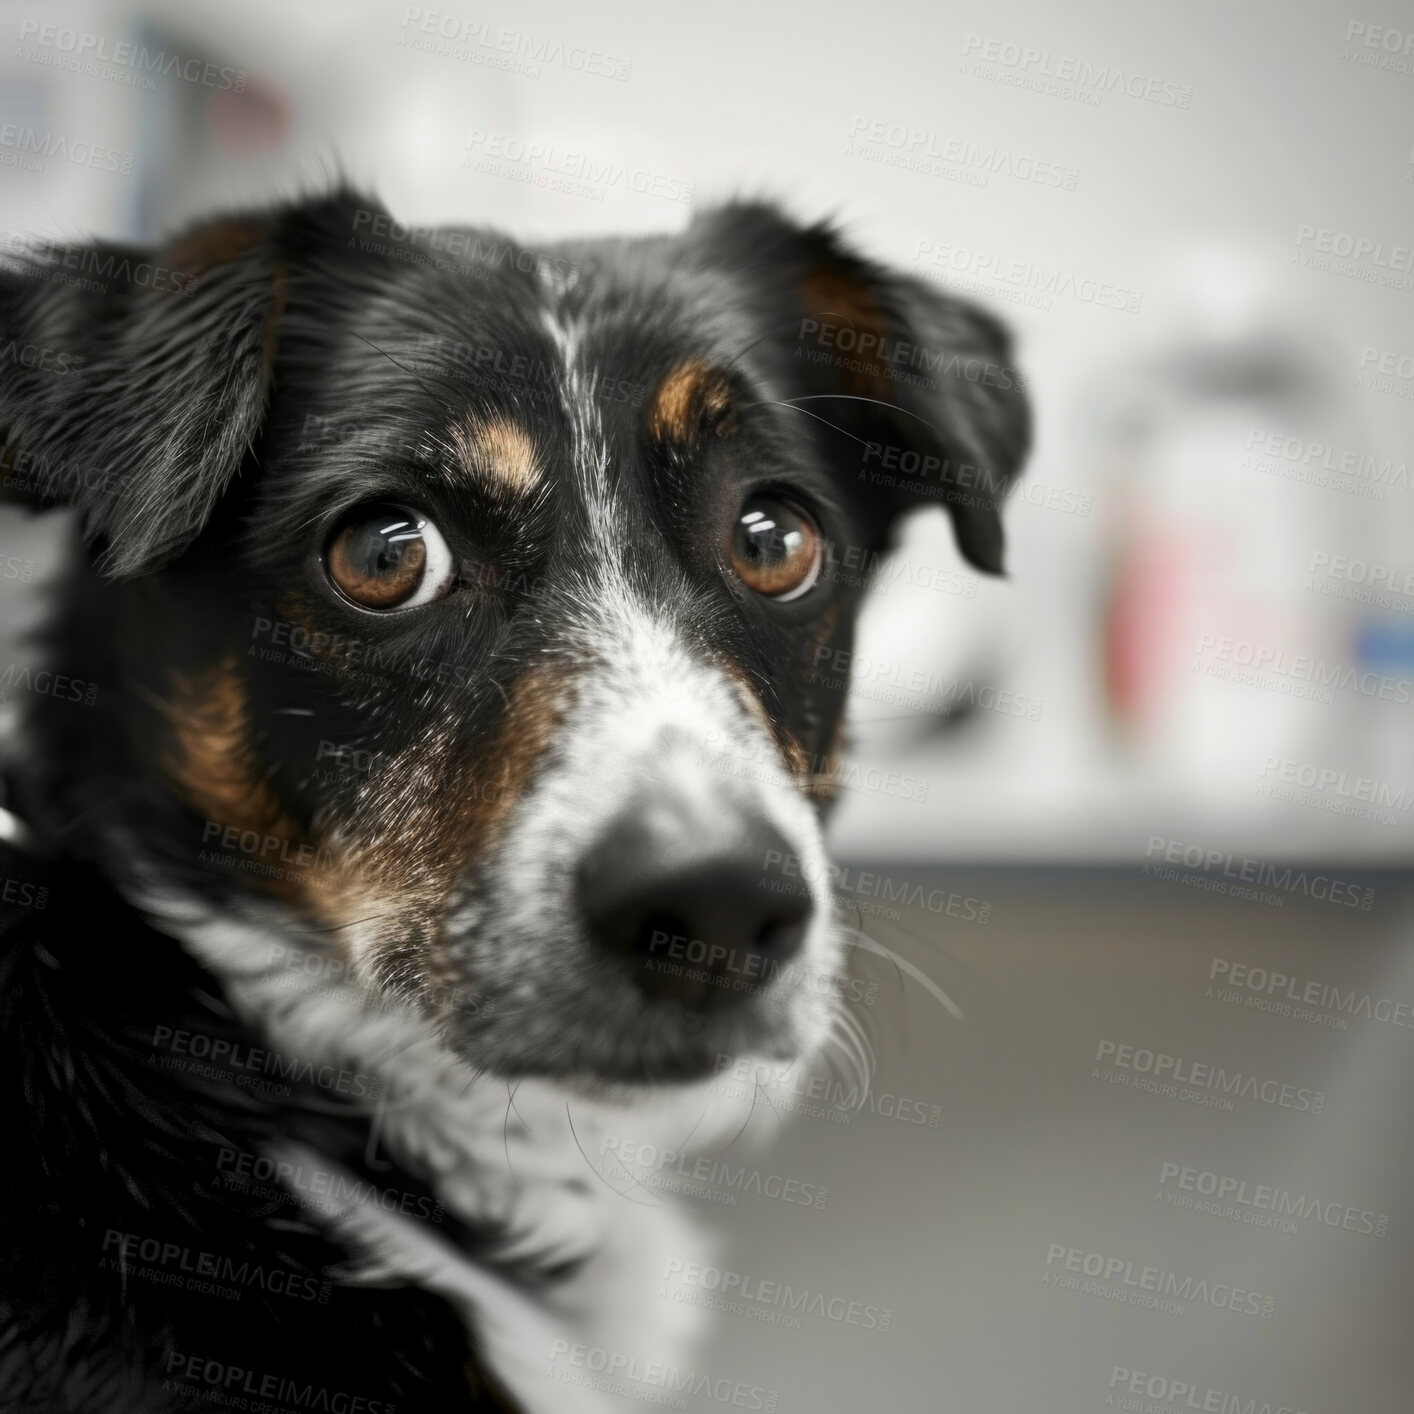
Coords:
pixel 1160 776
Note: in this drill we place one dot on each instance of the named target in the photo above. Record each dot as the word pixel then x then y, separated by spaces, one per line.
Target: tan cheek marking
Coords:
pixel 792 752
pixel 432 814
pixel 211 763
pixel 691 393
pixel 796 757
pixel 824 784
pixel 746 691
pixel 496 450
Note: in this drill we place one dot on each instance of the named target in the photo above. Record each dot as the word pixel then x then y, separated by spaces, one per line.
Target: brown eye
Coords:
pixel 776 549
pixel 388 557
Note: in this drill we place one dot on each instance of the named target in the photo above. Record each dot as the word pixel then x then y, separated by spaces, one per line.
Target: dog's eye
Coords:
pixel 776 549
pixel 388 557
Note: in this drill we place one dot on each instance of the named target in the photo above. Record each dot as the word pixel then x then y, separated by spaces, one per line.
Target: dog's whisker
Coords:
pixel 846 904
pixel 769 1108
pixel 403 367
pixel 779 403
pixel 697 1124
pixel 506 1128
pixel 862 1047
pixel 842 1040
pixel 617 1192
pixel 755 1089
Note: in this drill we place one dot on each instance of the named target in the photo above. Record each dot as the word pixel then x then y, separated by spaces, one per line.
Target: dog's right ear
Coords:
pixel 135 380
pixel 917 377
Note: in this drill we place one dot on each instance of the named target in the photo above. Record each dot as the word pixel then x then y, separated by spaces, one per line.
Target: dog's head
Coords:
pixel 481 605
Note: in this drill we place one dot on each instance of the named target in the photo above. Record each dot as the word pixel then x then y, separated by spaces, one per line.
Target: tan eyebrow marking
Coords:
pixel 497 451
pixel 690 392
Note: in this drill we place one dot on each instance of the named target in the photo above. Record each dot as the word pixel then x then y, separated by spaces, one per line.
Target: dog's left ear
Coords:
pixel 912 391
pixel 137 380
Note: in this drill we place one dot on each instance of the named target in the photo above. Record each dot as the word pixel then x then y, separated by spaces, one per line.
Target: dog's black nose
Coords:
pixel 706 904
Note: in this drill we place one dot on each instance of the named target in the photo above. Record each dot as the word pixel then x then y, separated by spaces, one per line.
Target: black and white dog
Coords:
pixel 427 744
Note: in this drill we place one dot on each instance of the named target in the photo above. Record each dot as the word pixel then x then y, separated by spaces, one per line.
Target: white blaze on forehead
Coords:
pixel 648 713
pixel 590 453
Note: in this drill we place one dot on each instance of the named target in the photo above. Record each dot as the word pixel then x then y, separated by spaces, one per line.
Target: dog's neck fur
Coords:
pixel 509 1158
